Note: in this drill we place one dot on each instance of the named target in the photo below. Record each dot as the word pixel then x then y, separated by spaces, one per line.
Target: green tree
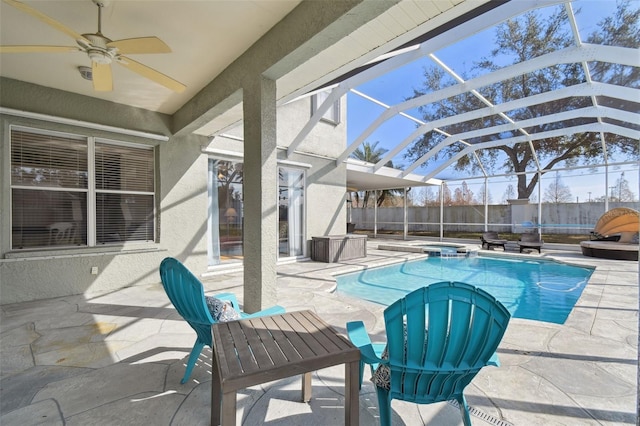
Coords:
pixel 370 153
pixel 517 40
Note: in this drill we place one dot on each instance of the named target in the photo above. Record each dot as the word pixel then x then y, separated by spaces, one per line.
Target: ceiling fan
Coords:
pixel 101 50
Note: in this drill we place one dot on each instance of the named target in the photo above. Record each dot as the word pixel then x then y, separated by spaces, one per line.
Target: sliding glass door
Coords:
pixel 225 211
pixel 290 212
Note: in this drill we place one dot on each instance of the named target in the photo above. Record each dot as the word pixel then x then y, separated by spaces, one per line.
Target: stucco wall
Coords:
pixel 181 205
pixel 181 182
pixel 325 196
pixel 325 192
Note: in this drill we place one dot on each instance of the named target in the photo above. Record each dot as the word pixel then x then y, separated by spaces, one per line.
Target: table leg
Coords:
pixel 306 387
pixel 351 393
pixel 216 394
pixel 229 409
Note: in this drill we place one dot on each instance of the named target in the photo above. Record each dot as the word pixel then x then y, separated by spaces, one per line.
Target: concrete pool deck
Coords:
pixel 118 358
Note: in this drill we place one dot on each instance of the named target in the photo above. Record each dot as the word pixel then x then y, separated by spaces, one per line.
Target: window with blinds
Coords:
pixel 49 186
pixel 51 191
pixel 124 193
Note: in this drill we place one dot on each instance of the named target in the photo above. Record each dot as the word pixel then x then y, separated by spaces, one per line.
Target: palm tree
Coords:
pixel 370 153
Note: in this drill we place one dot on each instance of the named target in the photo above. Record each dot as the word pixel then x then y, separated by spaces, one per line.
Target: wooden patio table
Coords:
pixel 258 350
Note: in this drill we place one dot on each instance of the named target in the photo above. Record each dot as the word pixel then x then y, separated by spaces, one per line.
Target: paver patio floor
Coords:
pixel 118 358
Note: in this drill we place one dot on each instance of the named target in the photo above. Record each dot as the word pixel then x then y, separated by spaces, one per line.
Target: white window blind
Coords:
pixel 51 188
pixel 48 161
pixel 124 193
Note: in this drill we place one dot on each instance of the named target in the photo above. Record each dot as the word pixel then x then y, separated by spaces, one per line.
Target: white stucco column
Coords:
pixel 260 194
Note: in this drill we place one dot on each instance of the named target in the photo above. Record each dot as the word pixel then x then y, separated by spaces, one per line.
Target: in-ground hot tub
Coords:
pixel 432 249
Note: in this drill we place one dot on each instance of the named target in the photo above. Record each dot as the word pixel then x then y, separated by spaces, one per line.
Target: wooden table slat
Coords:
pixel 227 353
pixel 280 340
pixel 292 335
pixel 341 342
pixel 318 333
pixel 309 333
pixel 274 351
pixel 244 359
pixel 260 352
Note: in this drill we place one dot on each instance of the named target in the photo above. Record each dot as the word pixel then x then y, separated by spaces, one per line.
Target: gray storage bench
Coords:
pixel 336 248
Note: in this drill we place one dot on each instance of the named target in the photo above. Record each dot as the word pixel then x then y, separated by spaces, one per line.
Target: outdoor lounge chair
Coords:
pixel 187 295
pixel 438 339
pixel 530 240
pixel 615 235
pixel 492 239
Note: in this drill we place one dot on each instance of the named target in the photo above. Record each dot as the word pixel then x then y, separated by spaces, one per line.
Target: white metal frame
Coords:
pixel 581 53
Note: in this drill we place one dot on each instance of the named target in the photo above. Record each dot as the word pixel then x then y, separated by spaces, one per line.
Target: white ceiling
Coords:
pixel 400 24
pixel 204 36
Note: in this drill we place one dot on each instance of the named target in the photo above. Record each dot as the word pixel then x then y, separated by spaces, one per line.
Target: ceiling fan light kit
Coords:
pixel 99 56
pixel 101 51
pixel 85 72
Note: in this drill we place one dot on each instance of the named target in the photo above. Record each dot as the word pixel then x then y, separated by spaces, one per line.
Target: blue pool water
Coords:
pixel 540 290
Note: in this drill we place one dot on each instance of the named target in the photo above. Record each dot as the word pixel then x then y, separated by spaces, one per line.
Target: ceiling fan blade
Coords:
pixel 38 49
pixel 46 19
pixel 102 77
pixel 140 45
pixel 151 74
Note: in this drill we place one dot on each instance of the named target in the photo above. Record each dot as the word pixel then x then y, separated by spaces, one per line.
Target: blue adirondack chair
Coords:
pixel 438 339
pixel 187 295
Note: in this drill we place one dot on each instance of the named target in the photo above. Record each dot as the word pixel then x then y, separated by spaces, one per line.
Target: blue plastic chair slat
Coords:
pixel 463 329
pixel 416 331
pixel 438 331
pixel 186 293
pixel 438 339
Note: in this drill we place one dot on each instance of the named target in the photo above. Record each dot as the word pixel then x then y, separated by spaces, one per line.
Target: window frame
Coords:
pixel 90 191
pixel 291 166
pixel 332 115
pixel 94 191
pixel 214 249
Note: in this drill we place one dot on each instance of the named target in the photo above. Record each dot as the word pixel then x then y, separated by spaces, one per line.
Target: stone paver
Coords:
pixel 118 358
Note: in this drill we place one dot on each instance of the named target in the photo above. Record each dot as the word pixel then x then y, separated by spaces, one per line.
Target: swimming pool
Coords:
pixel 541 290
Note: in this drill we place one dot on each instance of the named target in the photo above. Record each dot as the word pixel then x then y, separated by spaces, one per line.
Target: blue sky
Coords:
pixel 399 85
